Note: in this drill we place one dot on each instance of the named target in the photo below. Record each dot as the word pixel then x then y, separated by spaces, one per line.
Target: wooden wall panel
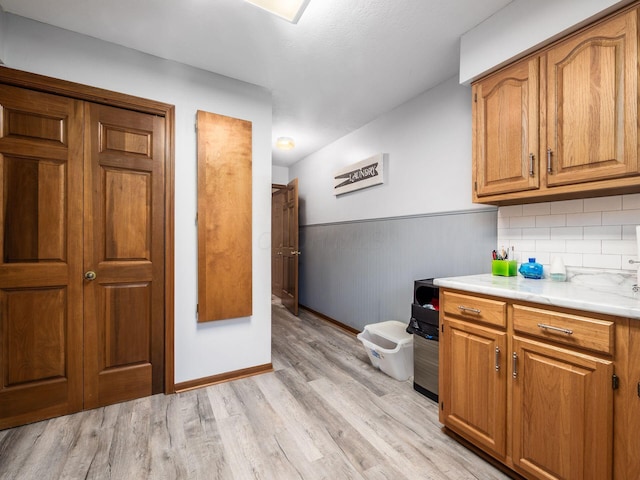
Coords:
pixel 224 217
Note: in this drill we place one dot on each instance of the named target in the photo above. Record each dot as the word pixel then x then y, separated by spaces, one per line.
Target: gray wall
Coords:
pixel 362 272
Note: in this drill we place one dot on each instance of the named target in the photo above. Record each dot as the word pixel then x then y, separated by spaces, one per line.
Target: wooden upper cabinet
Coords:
pixel 563 122
pixel 505 112
pixel 592 103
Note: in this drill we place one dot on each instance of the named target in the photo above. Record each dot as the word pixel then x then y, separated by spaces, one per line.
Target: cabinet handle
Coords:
pixel 514 365
pixel 497 359
pixel 531 173
pixel 555 329
pixel 549 160
pixel 468 309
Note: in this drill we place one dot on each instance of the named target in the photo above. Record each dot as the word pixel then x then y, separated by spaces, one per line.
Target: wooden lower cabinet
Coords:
pixel 627 426
pixel 476 390
pixel 562 415
pixel 539 401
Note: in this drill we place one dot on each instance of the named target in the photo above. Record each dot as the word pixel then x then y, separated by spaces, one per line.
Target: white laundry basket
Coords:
pixel 390 348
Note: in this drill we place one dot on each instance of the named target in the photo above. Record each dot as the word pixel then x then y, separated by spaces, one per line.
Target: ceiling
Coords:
pixel 342 65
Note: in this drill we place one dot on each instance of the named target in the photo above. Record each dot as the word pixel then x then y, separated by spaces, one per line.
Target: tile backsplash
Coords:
pixel 588 233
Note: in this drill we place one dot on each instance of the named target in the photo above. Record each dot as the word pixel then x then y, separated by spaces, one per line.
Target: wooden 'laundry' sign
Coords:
pixel 359 175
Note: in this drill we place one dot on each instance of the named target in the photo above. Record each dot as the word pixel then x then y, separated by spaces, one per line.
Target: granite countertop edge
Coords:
pixel 609 296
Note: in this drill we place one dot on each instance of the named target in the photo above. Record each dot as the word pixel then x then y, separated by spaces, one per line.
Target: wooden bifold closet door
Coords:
pixel 81 255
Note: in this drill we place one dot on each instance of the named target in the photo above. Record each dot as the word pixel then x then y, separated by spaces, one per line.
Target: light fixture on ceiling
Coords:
pixel 285 143
pixel 290 10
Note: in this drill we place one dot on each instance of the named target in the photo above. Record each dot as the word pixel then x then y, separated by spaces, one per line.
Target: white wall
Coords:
pixel 428 166
pixel 200 349
pixel 519 27
pixel 280 175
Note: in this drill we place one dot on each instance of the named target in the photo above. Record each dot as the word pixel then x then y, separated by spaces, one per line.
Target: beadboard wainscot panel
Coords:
pixel 362 272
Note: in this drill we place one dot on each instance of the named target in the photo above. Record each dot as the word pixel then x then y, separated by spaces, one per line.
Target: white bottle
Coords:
pixel 557 272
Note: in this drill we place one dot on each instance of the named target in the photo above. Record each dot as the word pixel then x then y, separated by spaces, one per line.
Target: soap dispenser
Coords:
pixel 531 269
pixel 557 272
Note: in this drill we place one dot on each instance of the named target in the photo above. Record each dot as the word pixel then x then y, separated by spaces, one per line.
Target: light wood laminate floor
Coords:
pixel 324 413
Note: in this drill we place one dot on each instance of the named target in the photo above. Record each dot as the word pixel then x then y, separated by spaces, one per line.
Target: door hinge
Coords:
pixel 475 186
pixel 442 406
pixel 197 309
pixel 475 97
pixel 639 389
pixel 615 382
pixel 442 328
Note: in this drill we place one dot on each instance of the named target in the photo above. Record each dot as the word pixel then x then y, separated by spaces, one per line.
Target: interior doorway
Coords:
pixel 285 252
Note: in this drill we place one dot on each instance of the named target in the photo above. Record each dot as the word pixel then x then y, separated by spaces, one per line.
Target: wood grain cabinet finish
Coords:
pixel 568 329
pixel 476 309
pixel 579 98
pixel 474 398
pixel 628 425
pixel 505 130
pixel 592 104
pixel 562 412
pixel 542 400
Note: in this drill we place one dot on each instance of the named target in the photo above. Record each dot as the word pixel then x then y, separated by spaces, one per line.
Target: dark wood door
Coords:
pixel 278 198
pixel 40 256
pixel 123 255
pixel 290 248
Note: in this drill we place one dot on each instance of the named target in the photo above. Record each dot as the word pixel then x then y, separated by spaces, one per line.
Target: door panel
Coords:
pixel 277 214
pixel 34 210
pixel 122 241
pixel 290 248
pixel 562 411
pixel 124 246
pixel 474 392
pixel 592 104
pixel 40 256
pixel 506 139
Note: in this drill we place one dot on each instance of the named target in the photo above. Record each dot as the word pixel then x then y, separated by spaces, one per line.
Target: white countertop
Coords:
pixel 608 293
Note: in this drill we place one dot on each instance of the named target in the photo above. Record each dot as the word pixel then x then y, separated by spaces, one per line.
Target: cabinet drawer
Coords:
pixel 574 330
pixel 475 308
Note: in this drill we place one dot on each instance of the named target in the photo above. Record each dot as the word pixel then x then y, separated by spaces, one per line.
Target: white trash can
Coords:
pixel 390 348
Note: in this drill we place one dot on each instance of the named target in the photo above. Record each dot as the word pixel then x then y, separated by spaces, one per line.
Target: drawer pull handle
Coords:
pixel 497 359
pixel 468 309
pixel 514 365
pixel 555 329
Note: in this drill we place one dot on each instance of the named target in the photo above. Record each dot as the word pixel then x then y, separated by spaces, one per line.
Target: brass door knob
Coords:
pixel 90 275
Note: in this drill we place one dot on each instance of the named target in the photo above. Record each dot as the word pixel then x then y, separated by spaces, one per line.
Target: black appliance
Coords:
pixel 424 325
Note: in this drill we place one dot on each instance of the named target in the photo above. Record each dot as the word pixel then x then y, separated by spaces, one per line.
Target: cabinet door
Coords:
pixel 473 389
pixel 505 130
pixel 630 437
pixel 562 413
pixel 592 103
